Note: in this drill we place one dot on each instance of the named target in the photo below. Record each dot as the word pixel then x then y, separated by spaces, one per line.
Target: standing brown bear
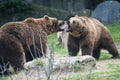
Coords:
pixel 25 40
pixel 91 36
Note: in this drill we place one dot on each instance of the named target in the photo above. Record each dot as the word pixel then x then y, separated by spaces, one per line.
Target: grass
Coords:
pixel 104 55
pixel 115 30
pixel 52 39
pixel 110 75
pixel 4 78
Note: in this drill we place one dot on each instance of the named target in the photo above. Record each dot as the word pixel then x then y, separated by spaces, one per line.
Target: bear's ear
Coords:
pixel 84 21
pixel 46 17
pixel 76 16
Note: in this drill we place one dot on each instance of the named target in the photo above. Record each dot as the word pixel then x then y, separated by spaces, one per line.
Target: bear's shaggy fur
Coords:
pixel 25 40
pixel 91 36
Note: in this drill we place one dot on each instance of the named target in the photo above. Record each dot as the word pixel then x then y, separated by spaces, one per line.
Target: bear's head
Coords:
pixel 52 24
pixel 76 26
pixel 48 24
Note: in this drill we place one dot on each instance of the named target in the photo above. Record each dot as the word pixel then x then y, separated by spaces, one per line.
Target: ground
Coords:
pixel 103 67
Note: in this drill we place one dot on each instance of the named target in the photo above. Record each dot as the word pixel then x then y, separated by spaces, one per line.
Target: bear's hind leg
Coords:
pixel 30 54
pixel 73 46
pixel 86 50
pixel 113 51
pixel 96 53
pixel 16 56
pixel 17 62
pixel 108 44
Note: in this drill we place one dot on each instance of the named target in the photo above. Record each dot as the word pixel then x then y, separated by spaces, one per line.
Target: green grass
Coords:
pixel 110 75
pixel 115 30
pixel 52 40
pixel 113 74
pixel 104 55
pixel 3 78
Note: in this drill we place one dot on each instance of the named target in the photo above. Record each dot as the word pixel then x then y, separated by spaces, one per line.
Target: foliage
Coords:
pixel 40 11
pixel 28 10
pixel 14 6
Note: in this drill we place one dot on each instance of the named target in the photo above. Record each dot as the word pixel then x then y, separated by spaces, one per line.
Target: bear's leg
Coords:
pixel 41 51
pixel 35 52
pixel 113 50
pixel 96 53
pixel 17 62
pixel 41 46
pixel 30 54
pixel 87 49
pixel 108 44
pixel 16 55
pixel 73 45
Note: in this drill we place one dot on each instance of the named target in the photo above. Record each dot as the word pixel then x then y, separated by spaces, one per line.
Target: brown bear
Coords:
pixel 24 41
pixel 91 36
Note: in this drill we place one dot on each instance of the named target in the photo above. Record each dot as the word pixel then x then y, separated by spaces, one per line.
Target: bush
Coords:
pixel 18 10
pixel 14 6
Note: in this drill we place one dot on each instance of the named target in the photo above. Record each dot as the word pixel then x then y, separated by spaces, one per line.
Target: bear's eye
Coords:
pixel 74 22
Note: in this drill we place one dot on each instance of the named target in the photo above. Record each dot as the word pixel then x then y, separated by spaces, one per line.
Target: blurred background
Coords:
pixel 107 11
